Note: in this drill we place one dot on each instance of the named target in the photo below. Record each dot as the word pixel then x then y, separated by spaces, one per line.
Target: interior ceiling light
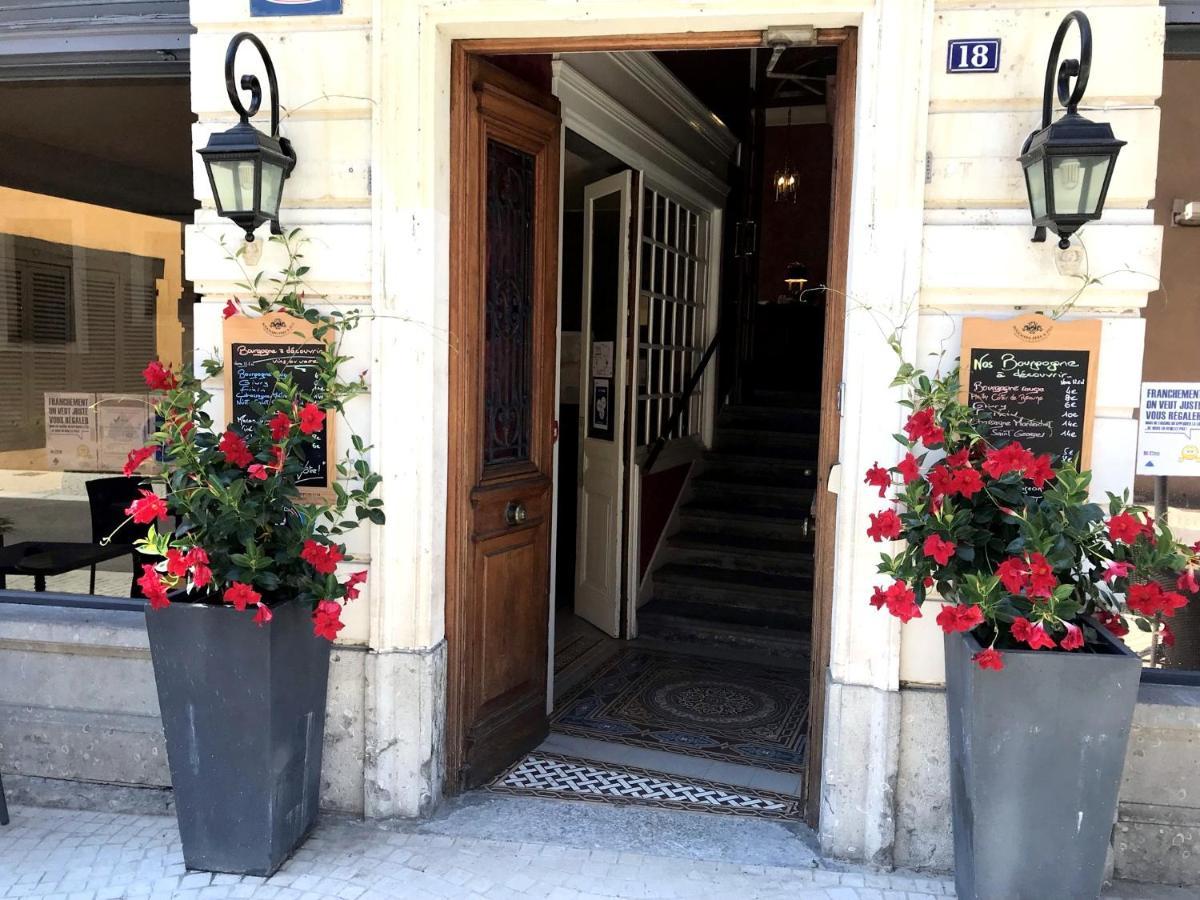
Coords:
pixel 785 180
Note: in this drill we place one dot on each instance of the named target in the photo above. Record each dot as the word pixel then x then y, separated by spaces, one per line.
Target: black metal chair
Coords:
pixel 108 499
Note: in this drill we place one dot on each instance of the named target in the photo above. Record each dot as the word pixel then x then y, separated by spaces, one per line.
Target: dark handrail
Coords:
pixel 672 423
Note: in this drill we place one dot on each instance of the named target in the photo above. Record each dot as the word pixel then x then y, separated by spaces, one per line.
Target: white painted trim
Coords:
pixel 659 82
pixel 594 115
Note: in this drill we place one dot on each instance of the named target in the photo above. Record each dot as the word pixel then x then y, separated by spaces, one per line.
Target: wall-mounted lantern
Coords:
pixel 247 168
pixel 1068 164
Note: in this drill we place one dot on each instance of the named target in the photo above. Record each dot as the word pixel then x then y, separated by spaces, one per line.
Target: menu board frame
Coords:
pixel 1035 331
pixel 278 328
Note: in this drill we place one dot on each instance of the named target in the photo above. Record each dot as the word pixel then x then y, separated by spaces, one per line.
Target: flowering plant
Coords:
pixel 1009 540
pixel 246 534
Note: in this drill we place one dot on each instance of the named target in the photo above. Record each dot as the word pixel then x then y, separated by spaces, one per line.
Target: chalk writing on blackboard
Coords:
pixel 1035 396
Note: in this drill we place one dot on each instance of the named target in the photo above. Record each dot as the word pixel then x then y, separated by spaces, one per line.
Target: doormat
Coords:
pixel 735 712
pixel 560 777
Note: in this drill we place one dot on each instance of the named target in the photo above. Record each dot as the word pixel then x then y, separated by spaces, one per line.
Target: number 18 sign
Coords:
pixel 973 55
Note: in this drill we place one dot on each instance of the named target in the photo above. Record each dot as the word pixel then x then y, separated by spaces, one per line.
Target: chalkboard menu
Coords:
pixel 1032 380
pixel 255 346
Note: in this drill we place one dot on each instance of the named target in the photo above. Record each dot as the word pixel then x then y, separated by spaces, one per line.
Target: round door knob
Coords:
pixel 514 513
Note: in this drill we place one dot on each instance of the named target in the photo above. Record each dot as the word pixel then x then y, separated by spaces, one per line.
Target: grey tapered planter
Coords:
pixel 243 709
pixel 1036 756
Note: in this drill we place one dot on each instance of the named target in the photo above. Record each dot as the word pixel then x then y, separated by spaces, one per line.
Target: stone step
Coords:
pixel 724 551
pixel 751 489
pixel 765 444
pixel 713 614
pixel 657 622
pixel 769 418
pixel 766 522
pixel 710 584
pixel 785 468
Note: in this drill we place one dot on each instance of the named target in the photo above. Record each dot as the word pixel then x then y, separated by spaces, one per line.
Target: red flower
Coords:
pixel 135 458
pixel 322 557
pixel 197 561
pixel 1041 577
pixel 159 377
pixel 258 472
pixel 909 468
pixel 941 481
pixel 311 419
pixel 152 586
pixel 963 617
pixel 230 310
pixel 241 596
pixel 959 458
pixel 1187 582
pixel 353 583
pixel 1012 574
pixel 921 426
pixel 327 620
pixel 1074 638
pixel 235 450
pixel 1116 570
pixel 939 549
pixel 901 602
pixel 989 659
pixel 263 615
pixel 1168 636
pixel 201 576
pixel 1033 635
pixel 878 598
pixel 281 426
pixel 967 482
pixel 1039 471
pixel 877 476
pixel 177 564
pixel 1009 458
pixel 147 508
pixel 1124 528
pixel 1113 622
pixel 885 526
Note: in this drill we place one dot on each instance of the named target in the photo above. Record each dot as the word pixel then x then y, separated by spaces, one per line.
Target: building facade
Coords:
pixel 936 227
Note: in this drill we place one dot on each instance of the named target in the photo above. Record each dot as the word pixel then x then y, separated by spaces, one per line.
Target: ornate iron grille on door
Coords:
pixel 508 310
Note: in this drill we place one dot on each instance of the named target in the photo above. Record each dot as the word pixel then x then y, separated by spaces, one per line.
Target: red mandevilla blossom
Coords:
pixel 967 482
pixel 136 457
pixel 159 377
pixel 885 526
pixel 922 426
pixel 153 588
pixel 1042 580
pixel 1187 582
pixel 280 425
pixel 230 310
pixel 1150 599
pixel 1124 528
pixel 327 620
pixel 939 549
pixel 877 476
pixel 901 601
pixel 1074 638
pixel 241 595
pixel 879 597
pixel 1039 471
pixel 1032 634
pixel 962 617
pixel 988 659
pixel 1168 636
pixel 1113 622
pixel 958 458
pixel 147 508
pixel 353 583
pixel 1012 573
pixel 311 419
pixel 258 472
pixel 941 481
pixel 1009 458
pixel 263 615
pixel 1116 570
pixel 909 468
pixel 322 557
pixel 234 449
pixel 177 564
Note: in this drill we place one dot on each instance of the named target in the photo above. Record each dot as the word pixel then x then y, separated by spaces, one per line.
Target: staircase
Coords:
pixel 738 570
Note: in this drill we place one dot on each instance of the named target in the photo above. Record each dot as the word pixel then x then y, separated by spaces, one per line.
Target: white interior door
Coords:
pixel 606 272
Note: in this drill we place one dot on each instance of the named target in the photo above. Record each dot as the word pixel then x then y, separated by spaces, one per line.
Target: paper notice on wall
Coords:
pixel 124 421
pixel 1169 429
pixel 602 359
pixel 71 431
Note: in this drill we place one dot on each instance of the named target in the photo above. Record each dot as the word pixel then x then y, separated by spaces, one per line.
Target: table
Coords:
pixel 42 559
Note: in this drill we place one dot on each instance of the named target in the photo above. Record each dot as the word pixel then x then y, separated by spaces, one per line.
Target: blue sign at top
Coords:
pixel 295 7
pixel 973 55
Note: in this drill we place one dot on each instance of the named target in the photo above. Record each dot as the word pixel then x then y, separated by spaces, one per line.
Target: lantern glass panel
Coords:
pixel 1035 181
pixel 1079 183
pixel 272 188
pixel 233 180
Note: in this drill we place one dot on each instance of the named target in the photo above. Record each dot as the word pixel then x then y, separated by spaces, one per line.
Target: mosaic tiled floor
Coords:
pixel 736 712
pixel 552 775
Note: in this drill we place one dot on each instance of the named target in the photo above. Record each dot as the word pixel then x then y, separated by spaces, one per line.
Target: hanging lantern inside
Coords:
pixel 786 178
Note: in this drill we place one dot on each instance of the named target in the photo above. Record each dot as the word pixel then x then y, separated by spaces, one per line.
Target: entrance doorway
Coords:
pixel 673 637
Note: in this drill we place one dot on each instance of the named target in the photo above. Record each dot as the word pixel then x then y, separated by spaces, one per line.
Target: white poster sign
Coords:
pixel 71 431
pixel 1169 429
pixel 124 422
pixel 602 359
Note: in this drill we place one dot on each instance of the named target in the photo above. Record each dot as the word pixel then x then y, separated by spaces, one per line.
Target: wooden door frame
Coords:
pixel 461 279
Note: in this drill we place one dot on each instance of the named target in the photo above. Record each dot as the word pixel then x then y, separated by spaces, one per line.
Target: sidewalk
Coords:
pixel 71 855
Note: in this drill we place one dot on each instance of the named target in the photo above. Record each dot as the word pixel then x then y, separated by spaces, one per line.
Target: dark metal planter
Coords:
pixel 1036 756
pixel 243 709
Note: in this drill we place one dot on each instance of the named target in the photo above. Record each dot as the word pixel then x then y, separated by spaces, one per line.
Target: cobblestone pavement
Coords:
pixel 73 855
